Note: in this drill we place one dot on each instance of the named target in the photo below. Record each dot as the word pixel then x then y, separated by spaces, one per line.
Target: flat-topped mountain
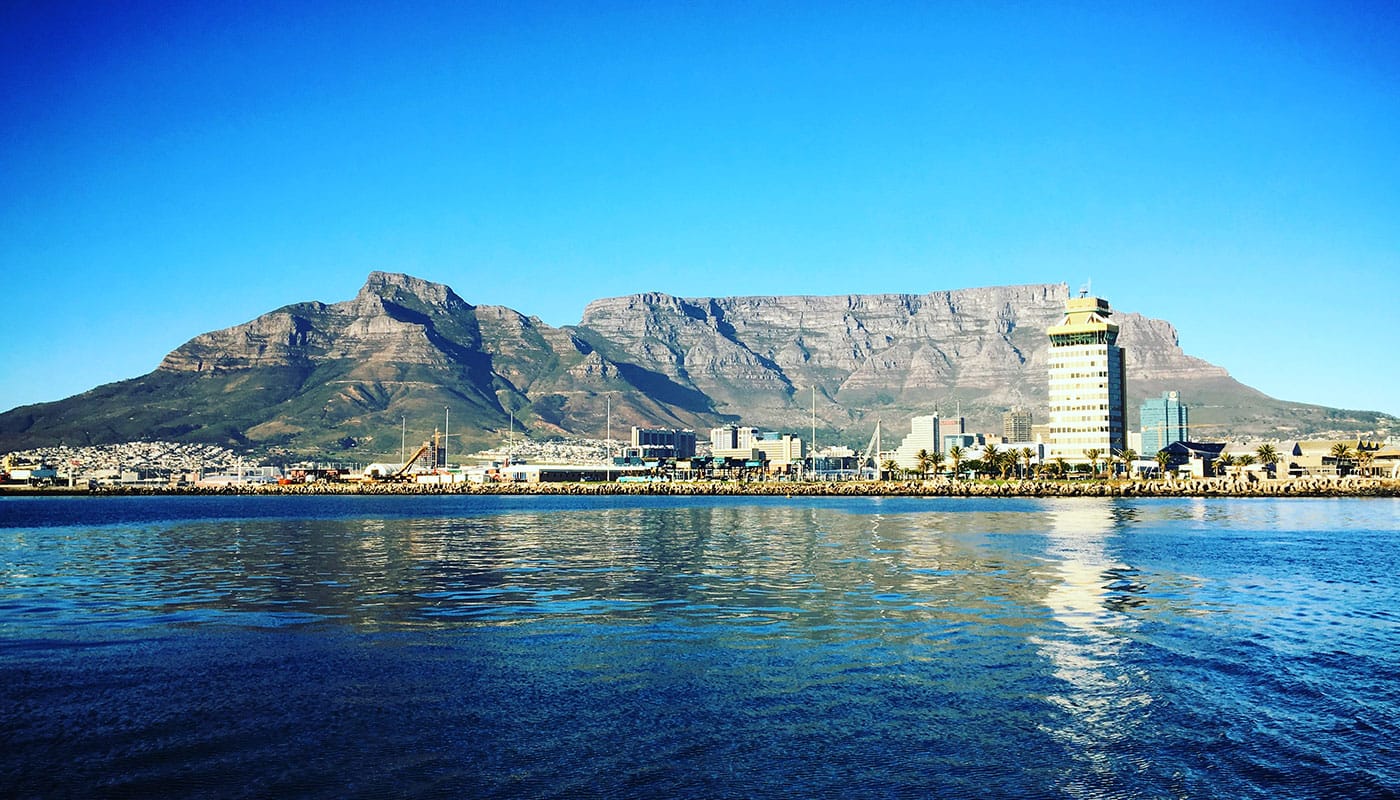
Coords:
pixel 983 347
pixel 313 376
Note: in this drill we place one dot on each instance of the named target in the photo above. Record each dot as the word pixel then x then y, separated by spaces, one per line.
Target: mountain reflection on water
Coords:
pixel 700 647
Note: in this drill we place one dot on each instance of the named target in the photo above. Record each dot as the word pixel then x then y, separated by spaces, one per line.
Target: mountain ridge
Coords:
pixel 313 376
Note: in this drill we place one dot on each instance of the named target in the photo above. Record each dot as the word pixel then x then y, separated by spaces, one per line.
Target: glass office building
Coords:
pixel 1164 422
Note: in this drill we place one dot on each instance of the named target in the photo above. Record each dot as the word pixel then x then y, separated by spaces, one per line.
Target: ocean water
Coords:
pixel 346 647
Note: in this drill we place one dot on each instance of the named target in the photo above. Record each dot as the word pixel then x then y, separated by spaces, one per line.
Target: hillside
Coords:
pixel 315 377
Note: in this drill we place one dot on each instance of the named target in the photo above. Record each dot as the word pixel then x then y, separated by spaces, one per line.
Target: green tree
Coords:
pixel 1163 461
pixel 923 458
pixel 936 458
pixel 1341 453
pixel 990 456
pixel 1267 456
pixel 1241 461
pixel 889 470
pixel 1061 467
pixel 1127 455
pixel 1363 458
pixel 1006 462
pixel 1093 454
pixel 1027 455
pixel 1223 462
pixel 956 454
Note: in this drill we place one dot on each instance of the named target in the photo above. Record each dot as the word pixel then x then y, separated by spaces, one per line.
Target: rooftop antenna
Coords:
pixel 1085 289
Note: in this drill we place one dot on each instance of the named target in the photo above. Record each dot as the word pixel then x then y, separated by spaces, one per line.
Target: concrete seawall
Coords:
pixel 1212 487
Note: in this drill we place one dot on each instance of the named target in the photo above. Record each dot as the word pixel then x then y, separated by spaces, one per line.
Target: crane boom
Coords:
pixel 872 451
pixel 413 459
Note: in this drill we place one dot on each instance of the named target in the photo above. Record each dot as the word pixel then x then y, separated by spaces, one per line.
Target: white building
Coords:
pixel 784 452
pixel 923 435
pixel 1088 407
pixel 749 444
pixel 734 442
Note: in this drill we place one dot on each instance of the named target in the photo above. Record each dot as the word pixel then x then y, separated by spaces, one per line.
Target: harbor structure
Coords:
pixel 1087 382
pixel 1165 420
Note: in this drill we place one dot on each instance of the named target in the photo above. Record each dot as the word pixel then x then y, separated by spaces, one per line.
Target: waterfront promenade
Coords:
pixel 1203 487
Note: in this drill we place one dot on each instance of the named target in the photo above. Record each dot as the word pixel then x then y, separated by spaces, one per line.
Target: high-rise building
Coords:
pixel 1088 407
pixel 749 444
pixel 1016 425
pixel 732 437
pixel 923 435
pixel 1164 421
pixel 664 442
pixel 953 433
pixel 735 442
pixel 783 451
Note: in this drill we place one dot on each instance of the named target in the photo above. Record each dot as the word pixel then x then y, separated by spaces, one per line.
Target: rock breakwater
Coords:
pixel 1211 487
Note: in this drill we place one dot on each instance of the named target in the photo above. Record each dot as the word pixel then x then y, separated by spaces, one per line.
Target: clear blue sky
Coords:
pixel 172 168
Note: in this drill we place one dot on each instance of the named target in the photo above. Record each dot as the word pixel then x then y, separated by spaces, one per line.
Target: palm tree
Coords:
pixel 1223 462
pixel 1267 456
pixel 936 459
pixel 1163 460
pixel 1241 461
pixel 1027 455
pixel 1006 461
pixel 1061 466
pixel 1127 455
pixel 1093 454
pixel 889 467
pixel 923 459
pixel 1342 454
pixel 956 453
pixel 990 458
pixel 1363 460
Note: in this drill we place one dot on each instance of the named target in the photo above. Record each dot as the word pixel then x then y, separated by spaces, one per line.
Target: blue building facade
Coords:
pixel 1164 421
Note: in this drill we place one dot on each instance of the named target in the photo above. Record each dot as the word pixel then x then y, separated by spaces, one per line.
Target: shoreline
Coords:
pixel 1203 487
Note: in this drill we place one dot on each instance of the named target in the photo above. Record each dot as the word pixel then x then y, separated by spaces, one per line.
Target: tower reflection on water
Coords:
pixel 1104 696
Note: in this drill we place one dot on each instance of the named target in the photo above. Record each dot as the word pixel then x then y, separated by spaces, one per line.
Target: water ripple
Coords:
pixel 555 647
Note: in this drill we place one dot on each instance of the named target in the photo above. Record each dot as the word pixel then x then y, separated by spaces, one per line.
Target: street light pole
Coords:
pixel 608 445
pixel 446 434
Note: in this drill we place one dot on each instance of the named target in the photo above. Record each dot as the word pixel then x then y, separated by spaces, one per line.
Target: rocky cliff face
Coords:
pixel 394 319
pixel 983 350
pixel 311 376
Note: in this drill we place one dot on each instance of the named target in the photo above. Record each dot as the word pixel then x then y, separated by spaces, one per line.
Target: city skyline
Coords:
pixel 1233 170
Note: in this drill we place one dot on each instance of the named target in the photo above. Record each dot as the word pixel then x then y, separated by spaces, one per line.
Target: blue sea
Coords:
pixel 649 647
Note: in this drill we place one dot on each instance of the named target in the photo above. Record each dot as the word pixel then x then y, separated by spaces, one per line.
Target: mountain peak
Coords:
pixel 395 286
